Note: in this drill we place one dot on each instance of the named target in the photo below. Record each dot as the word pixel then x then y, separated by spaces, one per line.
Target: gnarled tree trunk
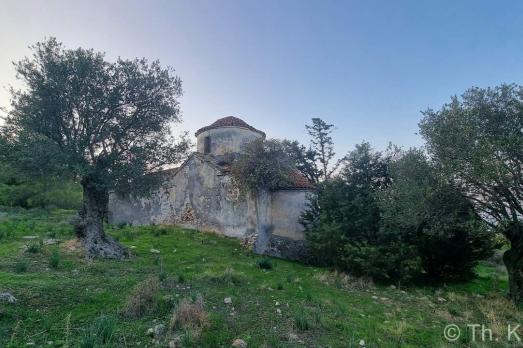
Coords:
pixel 513 259
pixel 89 225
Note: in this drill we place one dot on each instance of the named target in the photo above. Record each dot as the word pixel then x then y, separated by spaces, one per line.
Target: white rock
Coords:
pixel 278 311
pixel 227 300
pixel 441 299
pixel 159 330
pixel 239 343
pixel 374 297
pixel 150 332
pixel 7 297
pixel 362 343
pixel 51 241
pixel 277 304
pixel 155 251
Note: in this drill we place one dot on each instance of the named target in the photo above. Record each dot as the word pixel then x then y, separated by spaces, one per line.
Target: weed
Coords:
pixel 187 339
pixel 34 248
pixel 190 314
pixel 228 277
pixel 21 266
pixel 162 276
pixel 264 263
pixel 55 259
pixel 301 321
pixel 142 298
pixel 100 333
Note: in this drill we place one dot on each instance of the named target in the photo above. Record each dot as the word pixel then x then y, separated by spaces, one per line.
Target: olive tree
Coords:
pixel 105 124
pixel 477 140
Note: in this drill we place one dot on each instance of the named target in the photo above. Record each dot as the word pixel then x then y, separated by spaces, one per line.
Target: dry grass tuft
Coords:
pixel 190 315
pixel 345 281
pixel 142 298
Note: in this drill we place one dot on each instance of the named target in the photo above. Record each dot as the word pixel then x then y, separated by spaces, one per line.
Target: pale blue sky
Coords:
pixel 369 67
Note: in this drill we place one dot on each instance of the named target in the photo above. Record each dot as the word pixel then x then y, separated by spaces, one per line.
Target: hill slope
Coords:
pixel 63 300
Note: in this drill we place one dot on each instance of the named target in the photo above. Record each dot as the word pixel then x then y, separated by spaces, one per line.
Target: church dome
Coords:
pixel 229 121
pixel 226 136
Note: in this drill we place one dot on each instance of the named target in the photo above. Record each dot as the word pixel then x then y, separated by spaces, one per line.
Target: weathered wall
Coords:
pixel 196 197
pixel 286 209
pixel 199 196
pixel 226 140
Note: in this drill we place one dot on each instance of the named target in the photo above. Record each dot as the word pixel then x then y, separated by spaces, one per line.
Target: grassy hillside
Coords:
pixel 64 300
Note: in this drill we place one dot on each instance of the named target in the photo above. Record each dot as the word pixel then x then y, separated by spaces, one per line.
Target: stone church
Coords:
pixel 200 194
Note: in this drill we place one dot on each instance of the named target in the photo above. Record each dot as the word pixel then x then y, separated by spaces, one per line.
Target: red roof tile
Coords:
pixel 229 121
pixel 299 181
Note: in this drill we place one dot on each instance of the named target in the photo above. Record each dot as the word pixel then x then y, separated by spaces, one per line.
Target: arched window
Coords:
pixel 207 145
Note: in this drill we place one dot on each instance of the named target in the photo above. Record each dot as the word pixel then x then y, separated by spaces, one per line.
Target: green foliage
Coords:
pixel 18 189
pixel 34 248
pixel 340 312
pixel 477 141
pixel 55 259
pixel 322 146
pixel 433 216
pixel 100 333
pixel 21 266
pixel 304 159
pixel 301 321
pixel 264 263
pixel 263 165
pixel 394 218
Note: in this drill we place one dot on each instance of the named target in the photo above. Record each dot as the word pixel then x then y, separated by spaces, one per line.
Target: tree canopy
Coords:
pixel 106 124
pixel 477 141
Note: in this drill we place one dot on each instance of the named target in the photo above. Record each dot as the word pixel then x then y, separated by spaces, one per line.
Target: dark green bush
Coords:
pixel 394 219
pixel 16 190
pixel 55 259
pixel 264 263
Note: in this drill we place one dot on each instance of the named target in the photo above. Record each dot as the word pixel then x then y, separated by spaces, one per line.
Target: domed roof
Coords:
pixel 229 121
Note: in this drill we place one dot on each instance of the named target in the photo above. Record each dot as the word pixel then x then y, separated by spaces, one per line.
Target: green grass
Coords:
pixel 79 303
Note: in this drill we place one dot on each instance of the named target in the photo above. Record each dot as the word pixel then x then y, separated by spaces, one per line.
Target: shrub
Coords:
pixel 264 263
pixel 190 315
pixel 100 333
pixel 21 266
pixel 263 165
pixel 394 218
pixel 433 217
pixel 34 248
pixel 142 298
pixel 55 259
pixel 301 321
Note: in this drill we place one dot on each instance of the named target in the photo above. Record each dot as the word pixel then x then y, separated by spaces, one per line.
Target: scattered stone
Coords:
pixel 393 287
pixel 362 343
pixel 278 311
pixel 30 237
pixel 51 241
pixel 7 297
pixel 155 251
pixel 293 337
pixel 277 304
pixel 159 330
pixel 227 300
pixel 132 247
pixel 150 332
pixel 441 299
pixel 374 297
pixel 403 292
pixel 239 343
